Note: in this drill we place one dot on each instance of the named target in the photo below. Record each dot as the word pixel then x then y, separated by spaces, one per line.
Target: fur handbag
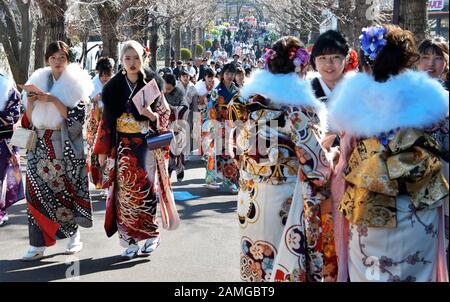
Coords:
pixel 24 138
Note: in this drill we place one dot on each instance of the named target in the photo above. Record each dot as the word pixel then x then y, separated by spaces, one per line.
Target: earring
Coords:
pixel 124 72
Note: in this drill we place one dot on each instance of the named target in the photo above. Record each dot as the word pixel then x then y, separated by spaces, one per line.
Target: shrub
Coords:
pixel 186 54
pixel 199 50
pixel 208 44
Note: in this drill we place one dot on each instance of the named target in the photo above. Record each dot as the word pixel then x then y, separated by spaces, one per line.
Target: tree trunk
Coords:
pixel 17 44
pixel 177 42
pixel 154 42
pixel 53 14
pixel 40 44
pixel 413 17
pixel 167 44
pixel 238 9
pixel 191 38
pixel 85 50
pixel 109 16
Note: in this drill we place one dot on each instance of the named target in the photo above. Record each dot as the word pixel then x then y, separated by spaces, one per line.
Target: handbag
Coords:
pixel 24 138
pixel 159 139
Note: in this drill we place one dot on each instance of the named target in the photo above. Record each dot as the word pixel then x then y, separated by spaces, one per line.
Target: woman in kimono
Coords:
pixel 121 145
pixel 220 165
pixel 283 202
pixel 331 57
pixel 11 187
pixel 389 185
pixel 57 189
pixel 178 122
pixel 105 70
pixel 203 90
pixel 434 59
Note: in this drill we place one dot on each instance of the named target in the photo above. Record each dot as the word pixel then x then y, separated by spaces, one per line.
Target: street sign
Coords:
pixel 434 5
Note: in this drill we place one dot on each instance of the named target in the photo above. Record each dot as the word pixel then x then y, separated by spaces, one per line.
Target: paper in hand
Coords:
pixel 31 89
pixel 146 96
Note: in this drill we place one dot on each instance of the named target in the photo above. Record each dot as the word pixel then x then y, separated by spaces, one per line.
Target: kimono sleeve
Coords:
pixel 11 113
pixel 75 120
pixel 306 136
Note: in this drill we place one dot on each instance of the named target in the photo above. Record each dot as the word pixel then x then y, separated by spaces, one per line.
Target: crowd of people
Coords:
pixel 339 157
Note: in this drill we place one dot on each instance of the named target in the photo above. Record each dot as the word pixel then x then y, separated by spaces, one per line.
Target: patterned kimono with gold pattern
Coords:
pixel 131 203
pixel 283 202
pixel 395 190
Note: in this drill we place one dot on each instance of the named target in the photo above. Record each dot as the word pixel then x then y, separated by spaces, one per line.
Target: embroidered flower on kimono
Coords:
pixel 257 251
pixel 230 171
pixel 46 170
pixel 293 240
pixel 64 215
pixel 412 259
pixel 303 156
pixel 245 247
pixel 362 230
pixel 256 268
pixel 267 264
pixel 385 262
pixel 56 184
pixel 394 278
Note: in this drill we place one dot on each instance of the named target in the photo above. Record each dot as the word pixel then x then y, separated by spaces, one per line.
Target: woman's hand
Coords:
pixel 98 97
pixel 32 98
pixel 150 114
pixel 47 97
pixel 102 159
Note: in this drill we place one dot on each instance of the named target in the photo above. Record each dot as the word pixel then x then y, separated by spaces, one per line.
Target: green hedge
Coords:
pixel 208 44
pixel 199 50
pixel 186 54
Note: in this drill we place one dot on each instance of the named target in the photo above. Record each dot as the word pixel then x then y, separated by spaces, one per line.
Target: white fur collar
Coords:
pixel 98 86
pixel 286 89
pixel 200 87
pixel 5 88
pixel 363 107
pixel 73 85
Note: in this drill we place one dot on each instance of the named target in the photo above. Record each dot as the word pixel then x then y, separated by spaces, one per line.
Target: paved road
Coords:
pixel 204 248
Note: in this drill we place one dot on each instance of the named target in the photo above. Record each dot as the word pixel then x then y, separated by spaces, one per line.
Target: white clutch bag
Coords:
pixel 24 138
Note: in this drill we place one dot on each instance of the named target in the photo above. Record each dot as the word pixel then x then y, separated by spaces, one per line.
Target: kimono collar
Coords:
pixel 284 89
pixel 73 85
pixel 363 107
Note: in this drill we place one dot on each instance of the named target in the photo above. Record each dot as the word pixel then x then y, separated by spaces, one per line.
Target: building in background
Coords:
pixel 438 18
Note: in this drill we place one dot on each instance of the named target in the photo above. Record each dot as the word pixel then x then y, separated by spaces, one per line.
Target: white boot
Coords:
pixel 34 253
pixel 74 245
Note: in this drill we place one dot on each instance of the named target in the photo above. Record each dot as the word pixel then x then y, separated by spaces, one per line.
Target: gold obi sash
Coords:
pixel 126 123
pixel 377 174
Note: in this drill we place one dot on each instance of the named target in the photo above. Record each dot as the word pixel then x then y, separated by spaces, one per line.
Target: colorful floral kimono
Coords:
pixel 11 186
pixel 283 201
pixel 199 114
pixel 94 115
pixel 220 165
pixel 131 203
pixel 392 193
pixel 57 189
